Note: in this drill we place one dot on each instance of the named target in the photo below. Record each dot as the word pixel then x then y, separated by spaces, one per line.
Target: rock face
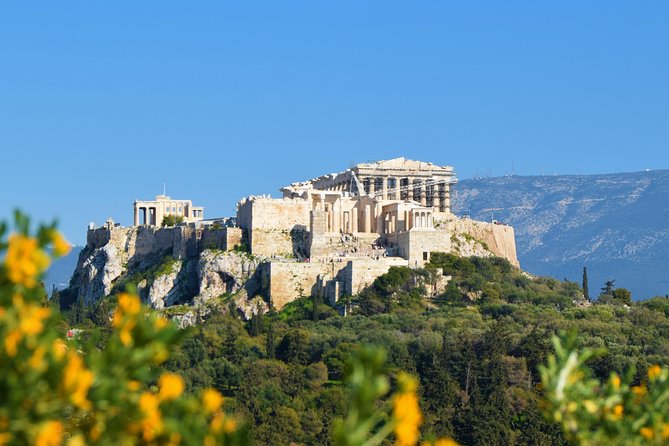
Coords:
pixel 167 265
pixel 98 271
pixel 222 273
pixel 165 289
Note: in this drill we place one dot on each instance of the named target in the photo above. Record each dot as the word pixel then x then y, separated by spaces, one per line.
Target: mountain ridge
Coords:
pixel 614 224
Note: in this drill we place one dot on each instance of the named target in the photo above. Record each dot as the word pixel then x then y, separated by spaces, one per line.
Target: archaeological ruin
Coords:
pixel 152 212
pixel 329 236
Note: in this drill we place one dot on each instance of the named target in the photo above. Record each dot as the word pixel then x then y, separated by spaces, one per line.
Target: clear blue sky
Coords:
pixel 102 102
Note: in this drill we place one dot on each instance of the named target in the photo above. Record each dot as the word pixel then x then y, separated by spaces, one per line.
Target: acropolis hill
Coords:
pixel 329 236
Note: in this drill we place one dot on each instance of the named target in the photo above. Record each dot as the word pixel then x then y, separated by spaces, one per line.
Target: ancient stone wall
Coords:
pixel 225 238
pixel 275 227
pixel 357 274
pixel 417 246
pixel 290 280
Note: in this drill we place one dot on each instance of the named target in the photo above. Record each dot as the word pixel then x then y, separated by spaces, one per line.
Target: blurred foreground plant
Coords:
pixel 55 392
pixel 369 421
pixel 603 413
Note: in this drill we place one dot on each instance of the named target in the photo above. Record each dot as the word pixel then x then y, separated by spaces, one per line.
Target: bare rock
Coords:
pixel 223 272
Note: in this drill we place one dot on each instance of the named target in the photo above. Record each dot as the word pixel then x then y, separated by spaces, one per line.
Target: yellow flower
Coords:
pixel 160 323
pixel 58 349
pixel 445 442
pixel 639 390
pixel 125 335
pixel 25 260
pixel 229 426
pixel 615 382
pixel 60 246
pixel 212 400
pixel 32 318
pixel 175 439
pixel 4 438
pixel 665 431
pixel 77 380
pixel 406 412
pixel 77 440
pixel 36 361
pixel 11 342
pixel 134 385
pixel 617 412
pixel 590 406
pixel 50 434
pixel 654 372
pixel 129 304
pixel 647 433
pixel 170 385
pixel 152 423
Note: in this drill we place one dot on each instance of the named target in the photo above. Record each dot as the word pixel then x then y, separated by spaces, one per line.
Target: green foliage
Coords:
pixel 614 410
pixel 172 220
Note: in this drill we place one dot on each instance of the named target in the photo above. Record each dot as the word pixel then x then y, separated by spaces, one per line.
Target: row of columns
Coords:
pixel 436 191
pixel 148 215
pixel 415 219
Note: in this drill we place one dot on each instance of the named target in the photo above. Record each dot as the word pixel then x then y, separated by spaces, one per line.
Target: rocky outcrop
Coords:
pixel 165 288
pixel 222 273
pixel 167 265
pixel 477 238
pixel 97 272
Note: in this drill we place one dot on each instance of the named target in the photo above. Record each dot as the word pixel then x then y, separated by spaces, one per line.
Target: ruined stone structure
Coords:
pixel 336 233
pixel 151 213
pixel 330 236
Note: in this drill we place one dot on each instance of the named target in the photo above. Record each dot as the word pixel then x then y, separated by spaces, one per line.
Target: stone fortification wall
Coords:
pixel 275 226
pixel 289 280
pixel 359 273
pixel 225 238
pixel 417 246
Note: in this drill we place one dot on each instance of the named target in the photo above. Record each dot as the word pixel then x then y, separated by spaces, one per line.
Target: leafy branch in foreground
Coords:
pixel 591 412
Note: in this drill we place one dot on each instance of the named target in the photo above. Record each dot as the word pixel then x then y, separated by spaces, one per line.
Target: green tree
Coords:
pixel 586 290
pixel 607 289
pixel 172 220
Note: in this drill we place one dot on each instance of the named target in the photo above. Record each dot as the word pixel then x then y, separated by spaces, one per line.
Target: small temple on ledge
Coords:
pixel 152 212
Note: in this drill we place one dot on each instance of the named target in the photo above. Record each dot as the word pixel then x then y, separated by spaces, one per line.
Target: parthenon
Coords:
pixel 384 197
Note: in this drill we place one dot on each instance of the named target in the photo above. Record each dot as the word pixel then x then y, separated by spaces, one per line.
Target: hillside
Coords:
pixel 615 224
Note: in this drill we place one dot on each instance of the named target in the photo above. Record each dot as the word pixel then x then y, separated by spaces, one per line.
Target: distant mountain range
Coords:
pixel 61 270
pixel 617 225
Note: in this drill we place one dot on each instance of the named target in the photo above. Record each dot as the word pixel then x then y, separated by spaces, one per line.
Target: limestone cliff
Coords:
pixel 169 266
